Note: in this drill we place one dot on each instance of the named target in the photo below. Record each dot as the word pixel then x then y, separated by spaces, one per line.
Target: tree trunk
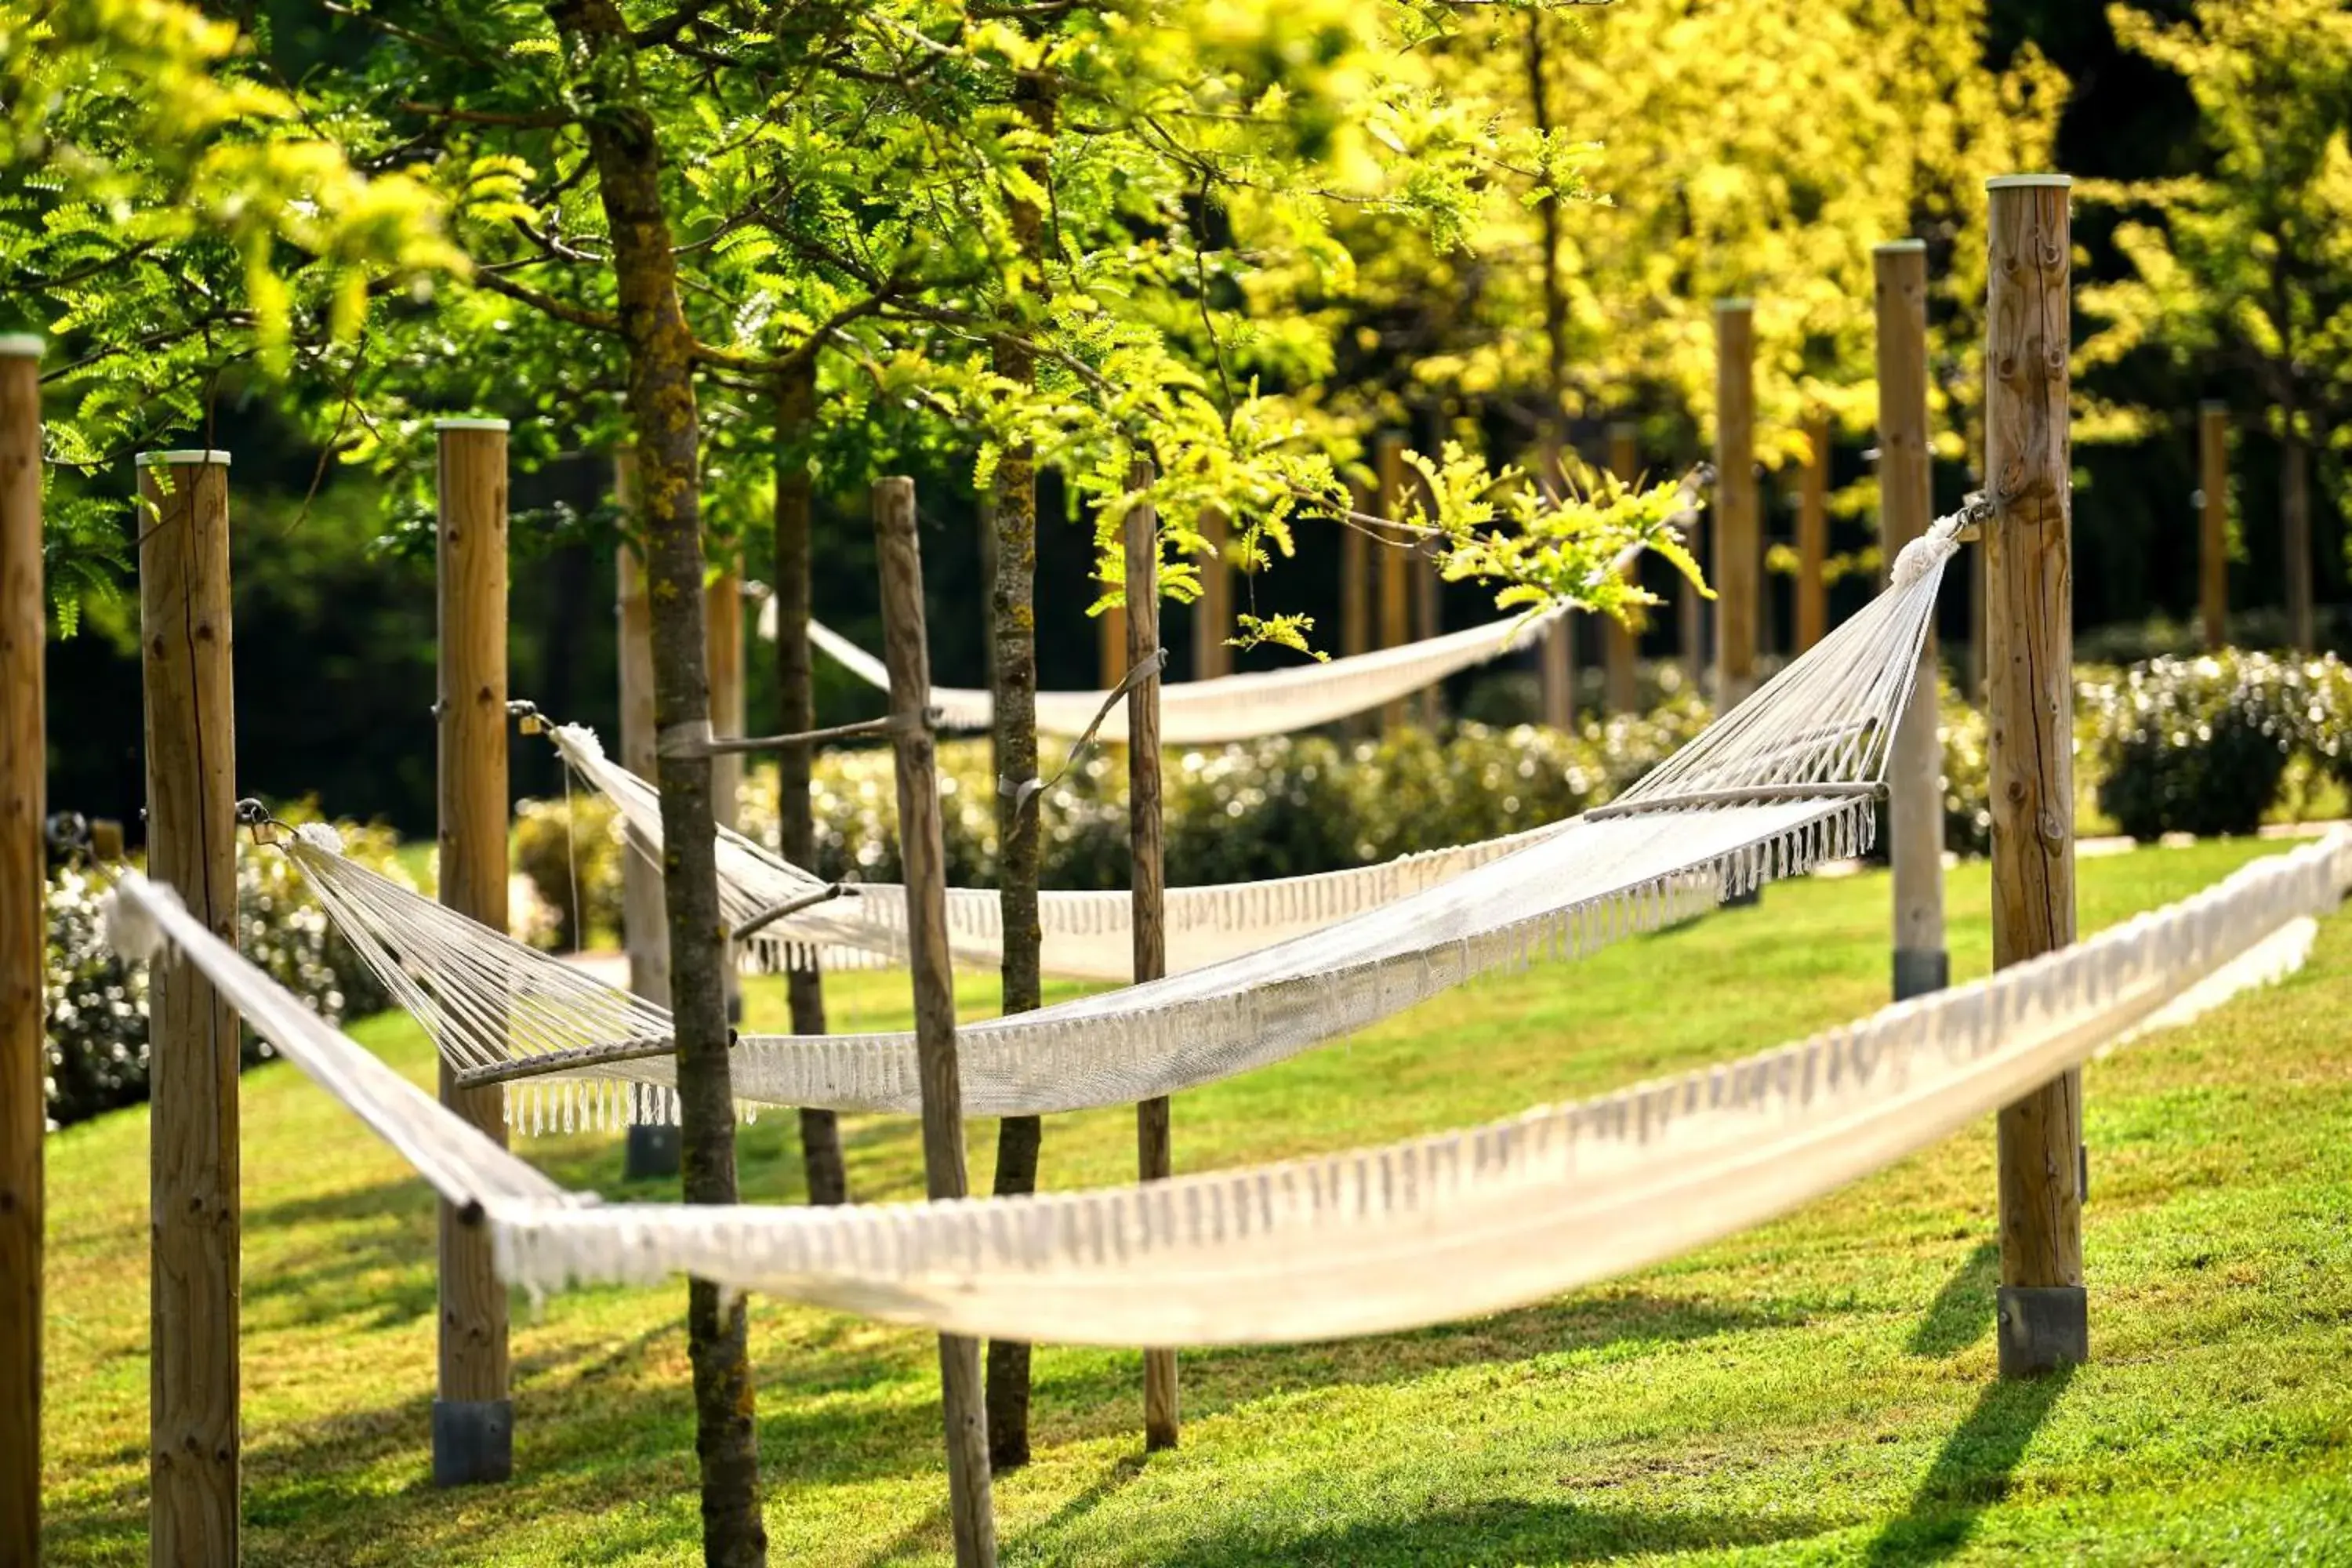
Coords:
pixel 828 1179
pixel 662 413
pixel 1014 628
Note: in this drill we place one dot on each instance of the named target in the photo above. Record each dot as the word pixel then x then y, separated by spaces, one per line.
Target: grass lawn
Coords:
pixel 1817 1391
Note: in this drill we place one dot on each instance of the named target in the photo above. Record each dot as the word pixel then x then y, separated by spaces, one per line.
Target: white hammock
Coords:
pixel 1786 780
pixel 1228 707
pixel 1368 1241
pixel 1085 936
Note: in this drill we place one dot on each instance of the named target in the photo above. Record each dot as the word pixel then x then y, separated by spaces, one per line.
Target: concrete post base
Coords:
pixel 473 1441
pixel 1919 970
pixel 2042 1328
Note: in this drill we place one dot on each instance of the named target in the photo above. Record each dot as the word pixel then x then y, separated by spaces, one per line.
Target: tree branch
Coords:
pixel 546 119
pixel 547 304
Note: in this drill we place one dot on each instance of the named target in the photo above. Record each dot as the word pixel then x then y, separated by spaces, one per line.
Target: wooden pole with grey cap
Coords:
pixel 473 1417
pixel 23 931
pixel 2029 673
pixel 1915 769
pixel 1147 839
pixel 191 1032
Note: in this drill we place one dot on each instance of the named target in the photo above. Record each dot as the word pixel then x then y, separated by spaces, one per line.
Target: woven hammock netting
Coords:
pixel 1783 782
pixel 1365 1241
pixel 1228 707
pixel 1085 936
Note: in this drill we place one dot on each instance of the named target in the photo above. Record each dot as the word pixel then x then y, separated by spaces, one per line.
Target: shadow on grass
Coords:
pixel 1506 1530
pixel 1099 1397
pixel 1971 1472
pixel 1962 1311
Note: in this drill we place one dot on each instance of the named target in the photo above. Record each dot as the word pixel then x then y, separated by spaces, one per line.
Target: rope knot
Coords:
pixel 320 836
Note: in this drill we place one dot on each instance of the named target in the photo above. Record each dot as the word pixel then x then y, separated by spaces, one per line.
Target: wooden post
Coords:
pixel 922 849
pixel 1428 620
pixel 2030 647
pixel 2213 530
pixel 473 1417
pixel 2295 517
pixel 1690 610
pixel 794 522
pixel 1356 583
pixel 1396 560
pixel 648 1151
pixel 1813 536
pixel 1212 613
pixel 1621 650
pixel 1146 838
pixel 722 634
pixel 1914 806
pixel 1110 643
pixel 191 1035
pixel 1556 653
pixel 24 884
pixel 1738 556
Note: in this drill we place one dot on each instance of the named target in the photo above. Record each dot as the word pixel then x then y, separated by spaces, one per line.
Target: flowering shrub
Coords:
pixel 97 1044
pixel 2202 745
pixel 562 844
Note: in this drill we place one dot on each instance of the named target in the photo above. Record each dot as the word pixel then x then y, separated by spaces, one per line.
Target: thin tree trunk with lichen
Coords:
pixel 1014 674
pixel 828 1180
pixel 627 156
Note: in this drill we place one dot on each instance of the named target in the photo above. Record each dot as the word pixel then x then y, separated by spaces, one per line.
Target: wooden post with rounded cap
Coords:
pixel 922 849
pixel 191 1034
pixel 24 883
pixel 2029 674
pixel 2213 522
pixel 1147 840
pixel 1915 769
pixel 473 1417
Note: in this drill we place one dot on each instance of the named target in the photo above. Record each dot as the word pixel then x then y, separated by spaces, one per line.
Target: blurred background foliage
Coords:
pixel 1761 168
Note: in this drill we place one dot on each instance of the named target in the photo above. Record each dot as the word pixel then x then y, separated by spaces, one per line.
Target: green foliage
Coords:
pixel 1729 149
pixel 850 190
pixel 175 223
pixel 2248 263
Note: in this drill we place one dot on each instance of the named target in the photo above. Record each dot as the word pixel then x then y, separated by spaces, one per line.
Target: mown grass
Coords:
pixel 1817 1391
